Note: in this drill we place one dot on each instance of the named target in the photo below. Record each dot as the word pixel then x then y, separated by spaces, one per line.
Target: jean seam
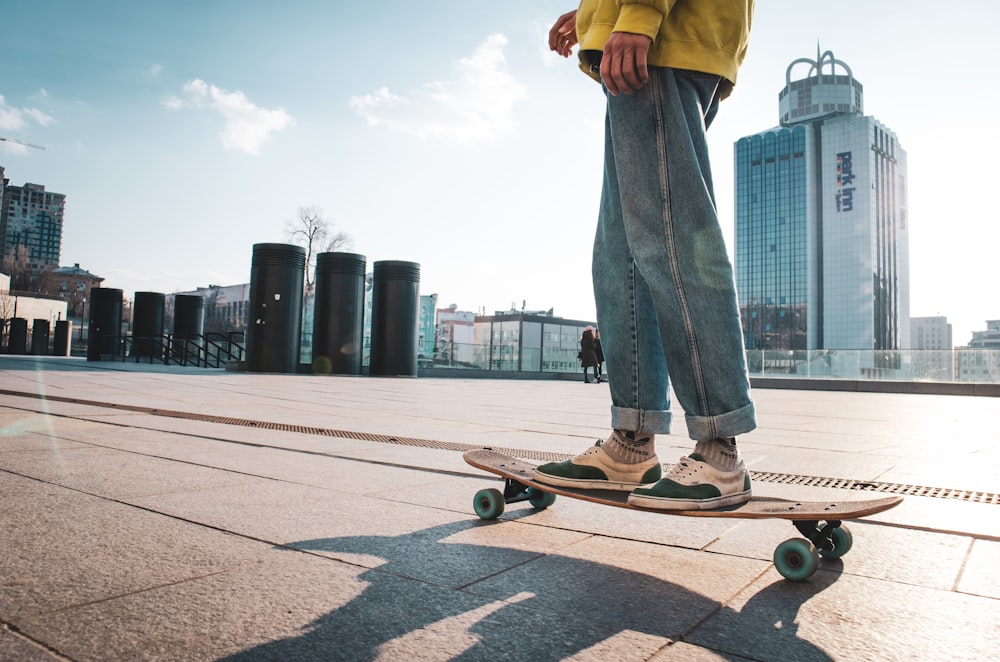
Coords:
pixel 635 336
pixel 696 368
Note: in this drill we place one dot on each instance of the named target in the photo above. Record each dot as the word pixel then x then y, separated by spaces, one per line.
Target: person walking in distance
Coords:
pixel 588 354
pixel 599 350
pixel 663 282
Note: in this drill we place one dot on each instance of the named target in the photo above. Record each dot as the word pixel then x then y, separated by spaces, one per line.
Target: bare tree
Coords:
pixel 313 232
pixel 7 305
pixel 23 277
pixel 339 242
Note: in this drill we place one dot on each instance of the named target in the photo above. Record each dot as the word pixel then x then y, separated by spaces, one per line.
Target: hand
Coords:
pixel 562 36
pixel 623 65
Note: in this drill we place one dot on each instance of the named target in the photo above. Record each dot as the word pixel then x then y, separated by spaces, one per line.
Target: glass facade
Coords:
pixel 528 343
pixel 772 244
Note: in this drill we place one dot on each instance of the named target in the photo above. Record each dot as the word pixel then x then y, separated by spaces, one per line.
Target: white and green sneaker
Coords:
pixel 693 484
pixel 594 469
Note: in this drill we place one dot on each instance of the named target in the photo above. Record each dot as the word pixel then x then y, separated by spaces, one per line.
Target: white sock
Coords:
pixel 630 447
pixel 723 454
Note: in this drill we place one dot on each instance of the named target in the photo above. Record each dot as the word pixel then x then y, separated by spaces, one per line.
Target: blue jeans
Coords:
pixel 663 283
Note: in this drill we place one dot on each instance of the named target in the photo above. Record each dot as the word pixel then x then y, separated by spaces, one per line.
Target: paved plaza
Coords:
pixel 168 513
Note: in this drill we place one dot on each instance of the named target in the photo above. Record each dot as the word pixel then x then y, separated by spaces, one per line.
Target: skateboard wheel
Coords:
pixel 796 559
pixel 539 499
pixel 842 543
pixel 488 503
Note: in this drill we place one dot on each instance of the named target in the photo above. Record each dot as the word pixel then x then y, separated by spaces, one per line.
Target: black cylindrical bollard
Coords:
pixel 63 338
pixel 339 317
pixel 147 326
pixel 189 316
pixel 17 340
pixel 189 326
pixel 275 324
pixel 105 323
pixel 40 337
pixel 395 307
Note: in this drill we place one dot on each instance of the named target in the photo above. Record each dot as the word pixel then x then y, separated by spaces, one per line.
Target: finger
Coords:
pixel 642 67
pixel 562 45
pixel 563 25
pixel 630 72
pixel 611 72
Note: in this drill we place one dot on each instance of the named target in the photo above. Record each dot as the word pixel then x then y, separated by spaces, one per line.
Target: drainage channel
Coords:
pixel 900 489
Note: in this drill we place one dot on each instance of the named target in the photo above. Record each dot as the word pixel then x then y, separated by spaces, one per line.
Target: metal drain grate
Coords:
pixel 875 486
pixel 538 456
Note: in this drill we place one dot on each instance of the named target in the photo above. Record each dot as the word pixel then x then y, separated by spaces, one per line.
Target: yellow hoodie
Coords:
pixel 710 36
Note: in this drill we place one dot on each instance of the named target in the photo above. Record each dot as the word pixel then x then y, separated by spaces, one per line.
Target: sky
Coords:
pixel 444 133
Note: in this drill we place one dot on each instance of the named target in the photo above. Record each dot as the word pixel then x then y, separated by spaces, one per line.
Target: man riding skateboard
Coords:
pixel 663 283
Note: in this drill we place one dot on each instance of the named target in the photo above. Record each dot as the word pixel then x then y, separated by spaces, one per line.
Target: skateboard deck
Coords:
pixel 820 522
pixel 757 508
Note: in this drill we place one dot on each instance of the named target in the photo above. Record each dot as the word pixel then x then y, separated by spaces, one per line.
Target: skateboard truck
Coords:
pixel 820 536
pixel 489 504
pixel 514 491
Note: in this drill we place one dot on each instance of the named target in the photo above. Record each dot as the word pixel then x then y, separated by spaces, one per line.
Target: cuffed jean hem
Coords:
pixel 640 420
pixel 730 424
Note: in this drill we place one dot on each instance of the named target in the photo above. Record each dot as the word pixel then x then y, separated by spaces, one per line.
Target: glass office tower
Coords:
pixel 821 231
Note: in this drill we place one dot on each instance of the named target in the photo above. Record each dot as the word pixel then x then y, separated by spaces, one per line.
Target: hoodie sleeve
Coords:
pixel 642 16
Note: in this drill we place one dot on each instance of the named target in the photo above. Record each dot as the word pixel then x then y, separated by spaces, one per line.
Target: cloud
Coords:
pixel 12 118
pixel 246 126
pixel 476 106
pixel 154 70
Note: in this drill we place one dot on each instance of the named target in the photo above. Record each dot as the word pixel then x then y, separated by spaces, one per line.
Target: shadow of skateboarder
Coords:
pixel 448 600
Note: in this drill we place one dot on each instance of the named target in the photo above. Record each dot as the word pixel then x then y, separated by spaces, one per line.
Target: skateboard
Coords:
pixel 820 523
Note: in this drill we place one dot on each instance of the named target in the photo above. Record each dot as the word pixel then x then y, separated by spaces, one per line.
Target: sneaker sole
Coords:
pixel 584 484
pixel 662 503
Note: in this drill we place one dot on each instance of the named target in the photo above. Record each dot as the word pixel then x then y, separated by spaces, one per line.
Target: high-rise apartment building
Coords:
pixel 31 218
pixel 822 258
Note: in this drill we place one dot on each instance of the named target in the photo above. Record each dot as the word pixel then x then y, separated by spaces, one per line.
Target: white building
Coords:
pixel 980 361
pixel 822 257
pixel 988 339
pixel 930 333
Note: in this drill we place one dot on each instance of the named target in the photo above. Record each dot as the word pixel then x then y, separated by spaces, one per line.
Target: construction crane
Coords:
pixel 20 142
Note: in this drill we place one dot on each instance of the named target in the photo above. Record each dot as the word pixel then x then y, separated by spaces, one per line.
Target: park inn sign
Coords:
pixel 845 182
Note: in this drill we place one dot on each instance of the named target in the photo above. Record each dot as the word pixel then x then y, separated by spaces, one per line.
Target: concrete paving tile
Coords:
pixel 14 646
pixel 206 617
pixel 946 515
pixel 685 652
pixel 62 548
pixel 810 439
pixel 623 645
pixel 368 531
pixel 115 474
pixel 14 442
pixel 816 462
pixel 425 458
pixel 982 571
pixel 942 472
pixel 842 617
pixel 18 421
pixel 314 465
pixel 619 585
pixel 168 431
